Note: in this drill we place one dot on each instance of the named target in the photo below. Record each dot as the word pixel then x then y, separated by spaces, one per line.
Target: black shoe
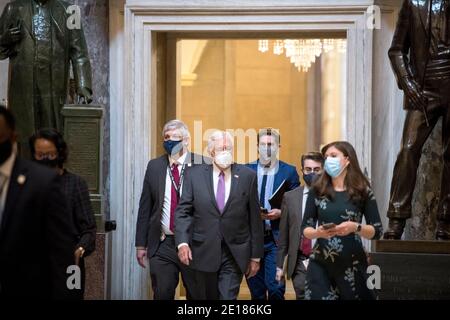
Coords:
pixel 395 229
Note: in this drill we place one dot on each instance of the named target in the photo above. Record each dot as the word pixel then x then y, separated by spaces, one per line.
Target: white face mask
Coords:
pixel 223 159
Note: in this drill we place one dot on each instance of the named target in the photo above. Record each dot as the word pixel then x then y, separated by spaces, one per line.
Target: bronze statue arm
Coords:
pixel 81 65
pixel 10 33
pixel 398 55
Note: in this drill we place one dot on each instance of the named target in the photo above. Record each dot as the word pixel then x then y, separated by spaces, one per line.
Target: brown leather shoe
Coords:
pixel 395 229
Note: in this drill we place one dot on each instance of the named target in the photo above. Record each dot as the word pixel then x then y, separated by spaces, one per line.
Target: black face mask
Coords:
pixel 49 163
pixel 5 150
pixel 310 178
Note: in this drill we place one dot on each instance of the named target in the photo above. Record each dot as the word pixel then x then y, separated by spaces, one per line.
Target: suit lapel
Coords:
pixel 424 14
pixel 58 11
pixel 300 206
pixel 162 178
pixel 14 191
pixel 208 175
pixel 27 14
pixel 278 177
pixel 233 187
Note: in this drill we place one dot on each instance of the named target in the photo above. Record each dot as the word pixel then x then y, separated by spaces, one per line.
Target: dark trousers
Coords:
pixel 299 277
pixel 221 285
pixel 165 268
pixel 264 286
pixel 415 134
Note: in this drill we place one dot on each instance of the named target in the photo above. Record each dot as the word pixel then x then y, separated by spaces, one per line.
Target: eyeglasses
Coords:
pixel 49 155
pixel 310 170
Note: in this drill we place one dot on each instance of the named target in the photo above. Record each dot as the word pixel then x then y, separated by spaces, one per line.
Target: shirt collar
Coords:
pixel 7 167
pixel 305 189
pixel 180 160
pixel 216 170
pixel 271 170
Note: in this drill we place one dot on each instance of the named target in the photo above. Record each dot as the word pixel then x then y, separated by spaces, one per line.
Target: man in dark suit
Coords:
pixel 291 242
pixel 37 238
pixel 420 58
pixel 271 174
pixel 218 230
pixel 163 185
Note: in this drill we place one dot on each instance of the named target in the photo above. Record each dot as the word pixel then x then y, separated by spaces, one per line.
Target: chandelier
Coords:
pixel 303 52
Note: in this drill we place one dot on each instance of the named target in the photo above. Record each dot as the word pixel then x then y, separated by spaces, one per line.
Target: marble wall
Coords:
pixel 422 225
pixel 95 16
pixel 95 20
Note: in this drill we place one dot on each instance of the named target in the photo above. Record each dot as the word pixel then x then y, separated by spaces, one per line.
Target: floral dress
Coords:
pixel 337 267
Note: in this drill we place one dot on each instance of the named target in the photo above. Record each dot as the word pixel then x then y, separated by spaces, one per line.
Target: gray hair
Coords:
pixel 177 125
pixel 219 135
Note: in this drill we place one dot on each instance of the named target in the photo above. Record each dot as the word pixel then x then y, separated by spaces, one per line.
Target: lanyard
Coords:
pixel 177 187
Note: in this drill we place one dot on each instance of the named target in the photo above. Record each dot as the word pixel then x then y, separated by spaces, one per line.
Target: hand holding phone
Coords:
pixel 263 213
pixel 326 230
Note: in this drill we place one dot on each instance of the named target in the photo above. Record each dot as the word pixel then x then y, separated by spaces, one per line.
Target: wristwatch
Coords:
pixel 358 228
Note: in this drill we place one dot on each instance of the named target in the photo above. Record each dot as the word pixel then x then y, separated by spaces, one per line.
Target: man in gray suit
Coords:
pixel 291 242
pixel 161 191
pixel 218 229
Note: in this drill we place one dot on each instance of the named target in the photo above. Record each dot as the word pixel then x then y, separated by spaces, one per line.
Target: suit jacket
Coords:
pixel 148 225
pixel 200 223
pixel 285 172
pixel 37 236
pixel 290 229
pixel 409 51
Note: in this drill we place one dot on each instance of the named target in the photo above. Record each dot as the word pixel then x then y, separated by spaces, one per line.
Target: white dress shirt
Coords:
pixel 5 173
pixel 165 216
pixel 305 197
pixel 227 173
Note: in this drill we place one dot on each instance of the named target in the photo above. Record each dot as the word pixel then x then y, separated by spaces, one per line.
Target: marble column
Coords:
pixel 95 20
pixel 3 68
pixel 422 225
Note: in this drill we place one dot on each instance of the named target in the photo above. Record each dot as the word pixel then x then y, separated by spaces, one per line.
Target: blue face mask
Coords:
pixel 310 178
pixel 333 167
pixel 172 146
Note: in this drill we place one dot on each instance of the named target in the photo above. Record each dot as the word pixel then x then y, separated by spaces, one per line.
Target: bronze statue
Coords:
pixel 40 43
pixel 420 58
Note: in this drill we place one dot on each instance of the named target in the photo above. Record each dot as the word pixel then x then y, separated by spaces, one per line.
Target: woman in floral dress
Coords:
pixel 342 196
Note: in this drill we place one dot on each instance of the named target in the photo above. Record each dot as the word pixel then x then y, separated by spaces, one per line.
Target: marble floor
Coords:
pixel 244 292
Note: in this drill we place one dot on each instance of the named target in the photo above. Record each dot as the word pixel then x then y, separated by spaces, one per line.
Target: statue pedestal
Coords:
pixel 83 129
pixel 413 269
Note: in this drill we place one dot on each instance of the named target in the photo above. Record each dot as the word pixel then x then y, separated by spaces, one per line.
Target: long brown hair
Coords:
pixel 355 182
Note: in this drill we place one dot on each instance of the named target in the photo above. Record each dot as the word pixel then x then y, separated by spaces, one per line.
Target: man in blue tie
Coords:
pixel 272 173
